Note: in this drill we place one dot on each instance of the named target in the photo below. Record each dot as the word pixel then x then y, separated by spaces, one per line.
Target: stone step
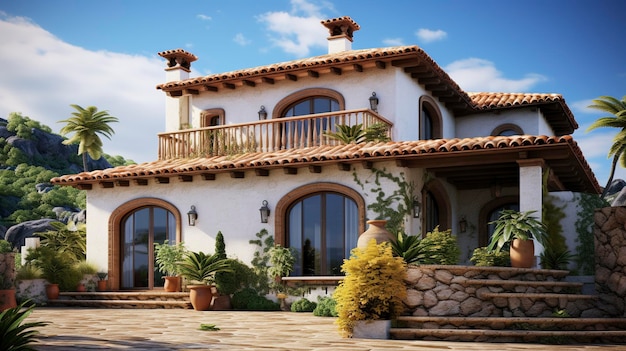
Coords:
pixel 539 286
pixel 126 295
pixel 503 273
pixel 499 323
pixel 488 335
pixel 131 304
pixel 537 296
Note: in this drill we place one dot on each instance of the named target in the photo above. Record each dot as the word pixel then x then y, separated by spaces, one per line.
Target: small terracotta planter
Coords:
pixel 172 284
pixel 52 291
pixel 102 285
pixel 201 296
pixel 7 299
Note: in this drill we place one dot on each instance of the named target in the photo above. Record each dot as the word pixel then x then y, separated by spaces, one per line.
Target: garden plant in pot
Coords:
pixel 167 258
pixel 517 230
pixel 371 294
pixel 200 269
pixel 57 268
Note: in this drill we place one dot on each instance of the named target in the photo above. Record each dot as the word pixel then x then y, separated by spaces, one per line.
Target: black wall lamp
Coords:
pixel 463 224
pixel 417 207
pixel 374 102
pixel 262 113
pixel 192 215
pixel 265 212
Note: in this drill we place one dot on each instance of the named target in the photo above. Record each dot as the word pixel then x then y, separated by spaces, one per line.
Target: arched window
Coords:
pixel 507 129
pixel 140 230
pixel 430 119
pixel 490 212
pixel 134 227
pixel 307 132
pixel 436 207
pixel 212 117
pixel 321 223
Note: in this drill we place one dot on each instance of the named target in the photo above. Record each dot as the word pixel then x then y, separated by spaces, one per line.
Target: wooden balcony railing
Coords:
pixel 263 136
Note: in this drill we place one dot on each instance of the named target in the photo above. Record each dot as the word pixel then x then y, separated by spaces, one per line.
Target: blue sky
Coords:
pixel 104 53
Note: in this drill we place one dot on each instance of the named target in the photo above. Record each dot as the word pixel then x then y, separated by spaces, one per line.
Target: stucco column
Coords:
pixel 531 192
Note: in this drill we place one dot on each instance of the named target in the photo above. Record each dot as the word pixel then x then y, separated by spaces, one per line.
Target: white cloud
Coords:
pixel 474 74
pixel 582 107
pixel 298 31
pixel 429 35
pixel 241 39
pixel 204 17
pixel 42 76
pixel 393 42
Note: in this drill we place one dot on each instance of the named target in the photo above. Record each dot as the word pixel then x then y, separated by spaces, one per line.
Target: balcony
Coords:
pixel 263 136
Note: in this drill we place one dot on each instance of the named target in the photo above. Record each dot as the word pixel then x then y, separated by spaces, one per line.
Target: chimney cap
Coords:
pixel 178 57
pixel 341 26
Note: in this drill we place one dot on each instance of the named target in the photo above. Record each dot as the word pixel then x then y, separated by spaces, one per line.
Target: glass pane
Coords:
pixel 427 125
pixel 127 252
pixel 160 235
pixel 312 246
pixel 141 246
pixel 335 218
pixel 351 226
pixel 295 236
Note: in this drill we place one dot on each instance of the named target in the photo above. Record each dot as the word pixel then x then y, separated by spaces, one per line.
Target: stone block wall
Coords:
pixel 610 252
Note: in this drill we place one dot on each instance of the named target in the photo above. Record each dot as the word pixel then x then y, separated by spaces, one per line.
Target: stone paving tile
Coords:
pixel 178 329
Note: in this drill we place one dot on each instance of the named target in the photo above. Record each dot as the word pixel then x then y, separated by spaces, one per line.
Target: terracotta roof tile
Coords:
pixel 339 153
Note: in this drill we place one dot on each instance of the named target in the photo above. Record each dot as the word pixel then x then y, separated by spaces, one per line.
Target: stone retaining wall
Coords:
pixel 469 291
pixel 610 252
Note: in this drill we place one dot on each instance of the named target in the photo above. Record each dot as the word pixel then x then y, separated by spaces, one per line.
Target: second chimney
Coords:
pixel 341 30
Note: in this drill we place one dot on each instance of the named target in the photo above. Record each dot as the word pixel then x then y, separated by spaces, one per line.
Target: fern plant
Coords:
pixel 373 288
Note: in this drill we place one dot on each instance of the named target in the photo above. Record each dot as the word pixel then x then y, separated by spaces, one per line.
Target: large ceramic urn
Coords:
pixel 376 230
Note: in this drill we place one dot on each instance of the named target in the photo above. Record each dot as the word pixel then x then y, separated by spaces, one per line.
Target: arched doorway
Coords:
pixel 134 228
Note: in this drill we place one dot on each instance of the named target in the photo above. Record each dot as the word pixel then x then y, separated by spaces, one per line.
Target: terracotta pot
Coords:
pixel 102 285
pixel 52 291
pixel 201 296
pixel 7 299
pixel 221 303
pixel 522 253
pixel 172 284
pixel 81 288
pixel 376 230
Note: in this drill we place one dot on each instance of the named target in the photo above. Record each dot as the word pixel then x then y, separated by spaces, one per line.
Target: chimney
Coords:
pixel 178 64
pixel 341 30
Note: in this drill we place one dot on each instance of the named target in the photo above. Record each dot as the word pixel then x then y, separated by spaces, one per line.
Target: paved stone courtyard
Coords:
pixel 178 329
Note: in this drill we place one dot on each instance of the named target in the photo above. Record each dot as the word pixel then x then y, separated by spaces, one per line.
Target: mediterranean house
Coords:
pixel 258 139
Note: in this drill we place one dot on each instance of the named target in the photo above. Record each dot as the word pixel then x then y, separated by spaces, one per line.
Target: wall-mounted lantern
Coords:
pixel 265 212
pixel 417 207
pixel 463 224
pixel 374 102
pixel 262 114
pixel 192 215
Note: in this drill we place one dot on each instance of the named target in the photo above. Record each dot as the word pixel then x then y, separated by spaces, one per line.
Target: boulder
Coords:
pixel 18 233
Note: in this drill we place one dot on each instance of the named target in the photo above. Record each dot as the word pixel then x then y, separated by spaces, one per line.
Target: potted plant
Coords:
pixel 200 269
pixel 102 280
pixel 7 276
pixel 167 258
pixel 371 294
pixel 57 268
pixel 517 230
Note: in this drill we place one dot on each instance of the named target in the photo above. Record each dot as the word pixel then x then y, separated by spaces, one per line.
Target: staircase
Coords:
pixel 123 299
pixel 497 304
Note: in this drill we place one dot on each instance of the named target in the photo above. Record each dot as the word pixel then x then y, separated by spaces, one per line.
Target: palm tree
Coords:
pixel 87 124
pixel 618 120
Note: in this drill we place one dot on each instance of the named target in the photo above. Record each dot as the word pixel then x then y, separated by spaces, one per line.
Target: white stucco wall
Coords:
pixel 226 204
pixel 530 120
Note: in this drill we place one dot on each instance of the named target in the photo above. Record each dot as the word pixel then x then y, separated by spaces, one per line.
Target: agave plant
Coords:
pixel 200 268
pixel 14 333
pixel 348 134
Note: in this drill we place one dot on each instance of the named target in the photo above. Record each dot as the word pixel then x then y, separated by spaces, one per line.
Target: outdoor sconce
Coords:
pixel 192 215
pixel 463 224
pixel 265 212
pixel 416 208
pixel 262 114
pixel 374 102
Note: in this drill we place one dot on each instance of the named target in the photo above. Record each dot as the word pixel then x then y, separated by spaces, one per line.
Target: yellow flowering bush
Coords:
pixel 373 287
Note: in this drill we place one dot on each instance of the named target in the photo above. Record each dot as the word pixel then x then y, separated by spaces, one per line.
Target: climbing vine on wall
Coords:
pixel 585 250
pixel 394 206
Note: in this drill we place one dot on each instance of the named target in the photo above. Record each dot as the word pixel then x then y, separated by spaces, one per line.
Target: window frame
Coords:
pixel 497 131
pixel 430 105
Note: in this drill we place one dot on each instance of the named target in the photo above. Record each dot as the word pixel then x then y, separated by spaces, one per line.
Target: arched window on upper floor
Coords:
pixel 212 117
pixel 430 121
pixel 507 129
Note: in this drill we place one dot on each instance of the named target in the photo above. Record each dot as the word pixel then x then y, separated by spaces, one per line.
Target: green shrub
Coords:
pixel 249 300
pixel 440 247
pixel 326 307
pixel 14 333
pixel 240 277
pixel 28 271
pixel 303 305
pixel 482 257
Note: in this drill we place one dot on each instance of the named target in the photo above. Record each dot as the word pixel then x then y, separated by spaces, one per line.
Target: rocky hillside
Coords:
pixel 30 155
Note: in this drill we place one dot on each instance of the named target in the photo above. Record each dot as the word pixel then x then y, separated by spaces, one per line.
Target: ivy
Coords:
pixel 393 207
pixel 585 250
